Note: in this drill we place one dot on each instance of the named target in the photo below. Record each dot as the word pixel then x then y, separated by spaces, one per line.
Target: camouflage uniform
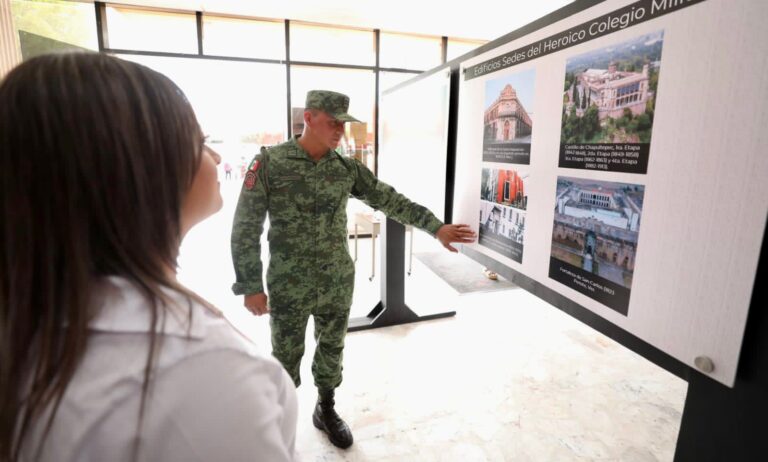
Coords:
pixel 310 270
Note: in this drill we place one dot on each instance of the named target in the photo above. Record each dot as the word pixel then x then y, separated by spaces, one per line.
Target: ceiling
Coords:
pixel 480 19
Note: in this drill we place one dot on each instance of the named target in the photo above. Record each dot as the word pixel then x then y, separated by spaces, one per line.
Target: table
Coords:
pixel 369 224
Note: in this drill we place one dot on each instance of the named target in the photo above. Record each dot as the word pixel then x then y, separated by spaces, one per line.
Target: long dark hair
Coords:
pixel 96 156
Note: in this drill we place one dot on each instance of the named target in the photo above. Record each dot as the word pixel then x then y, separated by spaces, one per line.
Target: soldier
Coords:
pixel 304 185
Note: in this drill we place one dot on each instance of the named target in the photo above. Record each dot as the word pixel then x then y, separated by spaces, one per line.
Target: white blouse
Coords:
pixel 210 398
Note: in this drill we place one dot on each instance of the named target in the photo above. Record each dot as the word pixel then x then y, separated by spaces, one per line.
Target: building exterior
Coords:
pixel 510 189
pixel 502 221
pixel 504 187
pixel 612 90
pixel 611 208
pixel 617 249
pixel 600 225
pixel 506 119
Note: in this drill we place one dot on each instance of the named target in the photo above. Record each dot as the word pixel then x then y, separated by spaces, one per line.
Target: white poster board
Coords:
pixel 645 181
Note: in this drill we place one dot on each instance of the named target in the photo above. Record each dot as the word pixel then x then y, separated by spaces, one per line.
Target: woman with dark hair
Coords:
pixel 103 354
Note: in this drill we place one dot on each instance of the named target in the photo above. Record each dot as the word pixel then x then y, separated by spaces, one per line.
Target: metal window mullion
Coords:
pixel 102 34
pixel 166 54
pixel 288 75
pixel 443 50
pixel 199 22
pixel 376 43
pixel 334 65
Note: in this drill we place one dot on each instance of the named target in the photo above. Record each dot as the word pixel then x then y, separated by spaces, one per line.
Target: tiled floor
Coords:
pixel 509 378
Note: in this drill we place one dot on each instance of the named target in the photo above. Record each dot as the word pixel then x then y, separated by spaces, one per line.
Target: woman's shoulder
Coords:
pixel 186 324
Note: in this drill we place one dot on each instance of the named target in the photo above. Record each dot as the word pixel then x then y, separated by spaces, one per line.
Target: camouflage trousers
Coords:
pixel 289 326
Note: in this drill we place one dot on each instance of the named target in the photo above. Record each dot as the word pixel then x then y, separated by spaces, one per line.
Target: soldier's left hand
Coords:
pixel 448 234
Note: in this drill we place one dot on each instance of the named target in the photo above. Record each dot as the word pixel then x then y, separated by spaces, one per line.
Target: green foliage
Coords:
pixel 53 26
pixel 569 79
pixel 643 122
pixel 653 80
pixel 591 122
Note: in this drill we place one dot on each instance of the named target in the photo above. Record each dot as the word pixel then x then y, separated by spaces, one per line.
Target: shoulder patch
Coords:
pixel 250 179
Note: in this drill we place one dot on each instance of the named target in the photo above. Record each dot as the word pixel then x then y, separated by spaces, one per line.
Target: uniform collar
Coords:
pixel 122 308
pixel 298 152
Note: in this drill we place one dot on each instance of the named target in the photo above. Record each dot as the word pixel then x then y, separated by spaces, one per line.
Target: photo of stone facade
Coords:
pixel 506 120
pixel 596 227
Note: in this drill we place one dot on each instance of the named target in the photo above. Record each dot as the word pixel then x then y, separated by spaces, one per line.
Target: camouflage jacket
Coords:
pixel 307 206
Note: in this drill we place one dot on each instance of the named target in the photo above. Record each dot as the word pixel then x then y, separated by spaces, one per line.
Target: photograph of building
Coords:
pixel 500 221
pixel 508 118
pixel 612 91
pixel 609 94
pixel 506 187
pixel 596 227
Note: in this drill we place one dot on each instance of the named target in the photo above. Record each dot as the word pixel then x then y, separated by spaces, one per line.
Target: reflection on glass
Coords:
pixel 359 85
pixel 414 128
pixel 457 47
pixel 403 51
pixel 388 80
pixel 132 29
pixel 332 45
pixel 52 26
pixel 414 132
pixel 242 111
pixel 243 37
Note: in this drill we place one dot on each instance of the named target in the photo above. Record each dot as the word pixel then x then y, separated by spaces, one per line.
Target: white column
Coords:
pixel 10 54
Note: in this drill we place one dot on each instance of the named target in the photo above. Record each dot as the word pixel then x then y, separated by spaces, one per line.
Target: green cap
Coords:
pixel 332 103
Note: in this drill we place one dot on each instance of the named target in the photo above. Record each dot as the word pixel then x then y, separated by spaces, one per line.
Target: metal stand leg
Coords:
pixel 410 253
pixel 392 309
pixel 355 242
pixel 373 256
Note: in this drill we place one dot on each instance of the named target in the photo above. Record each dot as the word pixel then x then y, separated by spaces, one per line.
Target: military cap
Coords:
pixel 332 103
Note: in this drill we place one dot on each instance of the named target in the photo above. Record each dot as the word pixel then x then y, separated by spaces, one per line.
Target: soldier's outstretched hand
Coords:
pixel 448 234
pixel 257 303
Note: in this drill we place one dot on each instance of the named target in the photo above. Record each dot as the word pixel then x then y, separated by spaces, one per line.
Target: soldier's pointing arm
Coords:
pixel 247 228
pixel 382 196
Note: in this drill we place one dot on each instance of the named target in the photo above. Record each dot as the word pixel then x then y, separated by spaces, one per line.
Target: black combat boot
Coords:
pixel 326 419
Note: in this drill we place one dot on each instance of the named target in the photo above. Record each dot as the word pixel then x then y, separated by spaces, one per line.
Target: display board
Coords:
pixel 617 157
pixel 412 149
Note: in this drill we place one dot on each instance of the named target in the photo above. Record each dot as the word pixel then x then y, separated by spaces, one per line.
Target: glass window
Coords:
pixel 242 111
pixel 243 37
pixel 403 51
pixel 457 47
pixel 147 30
pixel 359 85
pixel 51 26
pixel 413 132
pixel 332 45
pixel 388 80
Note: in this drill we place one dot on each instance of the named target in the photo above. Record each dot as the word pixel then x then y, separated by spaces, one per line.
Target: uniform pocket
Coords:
pixel 284 182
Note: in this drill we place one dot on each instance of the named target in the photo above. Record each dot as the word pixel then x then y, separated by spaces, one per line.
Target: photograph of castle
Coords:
pixel 609 94
pixel 506 187
pixel 508 118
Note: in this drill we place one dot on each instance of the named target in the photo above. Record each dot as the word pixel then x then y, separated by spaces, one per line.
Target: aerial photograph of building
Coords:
pixel 596 227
